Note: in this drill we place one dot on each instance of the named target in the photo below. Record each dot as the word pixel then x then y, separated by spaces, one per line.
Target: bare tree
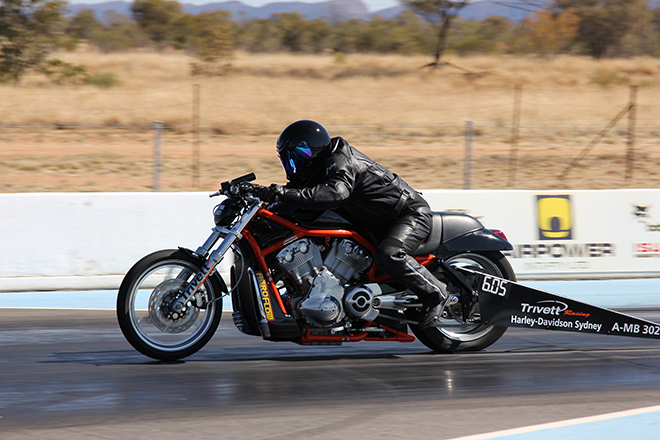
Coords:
pixel 439 14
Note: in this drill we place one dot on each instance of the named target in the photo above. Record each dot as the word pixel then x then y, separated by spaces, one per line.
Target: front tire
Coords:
pixel 145 319
pixel 449 335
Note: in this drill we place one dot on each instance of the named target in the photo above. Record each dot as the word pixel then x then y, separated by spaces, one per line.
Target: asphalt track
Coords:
pixel 69 374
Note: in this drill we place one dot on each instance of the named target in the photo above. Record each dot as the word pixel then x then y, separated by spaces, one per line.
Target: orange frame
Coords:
pixel 300 232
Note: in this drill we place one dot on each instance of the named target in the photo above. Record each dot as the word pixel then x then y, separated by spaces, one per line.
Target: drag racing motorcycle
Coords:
pixel 304 276
pixel 309 277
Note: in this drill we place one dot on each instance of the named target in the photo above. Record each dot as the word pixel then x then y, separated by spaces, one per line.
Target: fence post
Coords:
pixel 515 134
pixel 627 109
pixel 158 130
pixel 469 135
pixel 632 114
pixel 196 118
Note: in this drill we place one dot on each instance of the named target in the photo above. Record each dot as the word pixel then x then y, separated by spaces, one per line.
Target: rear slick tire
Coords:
pixel 450 336
pixel 147 323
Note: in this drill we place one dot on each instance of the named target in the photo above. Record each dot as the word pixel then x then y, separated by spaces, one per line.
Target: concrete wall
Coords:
pixel 89 240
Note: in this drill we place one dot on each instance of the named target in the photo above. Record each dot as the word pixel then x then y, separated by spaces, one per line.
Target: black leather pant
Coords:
pixel 392 256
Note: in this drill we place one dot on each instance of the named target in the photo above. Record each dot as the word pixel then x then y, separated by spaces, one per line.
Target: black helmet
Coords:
pixel 300 146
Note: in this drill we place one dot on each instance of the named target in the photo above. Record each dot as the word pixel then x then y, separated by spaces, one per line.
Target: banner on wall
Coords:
pixel 569 234
pixel 559 234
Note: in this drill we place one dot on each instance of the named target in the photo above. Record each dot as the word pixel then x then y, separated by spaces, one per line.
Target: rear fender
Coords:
pixel 474 241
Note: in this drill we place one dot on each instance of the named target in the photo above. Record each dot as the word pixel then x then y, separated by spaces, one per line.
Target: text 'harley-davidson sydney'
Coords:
pixel 308 277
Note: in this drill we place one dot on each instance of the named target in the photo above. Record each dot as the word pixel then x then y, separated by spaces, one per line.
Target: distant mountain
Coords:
pixel 238 10
pixel 478 10
pixel 100 9
pixel 333 8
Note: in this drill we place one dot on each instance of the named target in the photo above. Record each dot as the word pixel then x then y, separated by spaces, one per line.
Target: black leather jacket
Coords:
pixel 361 190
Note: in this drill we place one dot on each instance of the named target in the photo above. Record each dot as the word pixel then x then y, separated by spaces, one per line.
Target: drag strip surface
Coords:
pixel 70 374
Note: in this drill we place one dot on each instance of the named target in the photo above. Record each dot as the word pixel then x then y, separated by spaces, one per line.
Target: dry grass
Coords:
pixel 408 118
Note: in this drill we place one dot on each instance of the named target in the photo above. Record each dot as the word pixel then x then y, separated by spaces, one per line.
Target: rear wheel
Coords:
pixel 147 312
pixel 450 334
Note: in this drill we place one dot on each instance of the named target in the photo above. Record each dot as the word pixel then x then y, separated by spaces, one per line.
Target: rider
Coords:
pixel 328 173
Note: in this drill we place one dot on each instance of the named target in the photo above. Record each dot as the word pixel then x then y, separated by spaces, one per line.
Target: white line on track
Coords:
pixel 564 423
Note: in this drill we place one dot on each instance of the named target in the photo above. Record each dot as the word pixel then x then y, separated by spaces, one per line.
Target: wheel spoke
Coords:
pixel 451 333
pixel 451 327
pixel 153 314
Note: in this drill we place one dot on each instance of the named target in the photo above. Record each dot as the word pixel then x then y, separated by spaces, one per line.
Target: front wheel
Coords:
pixel 449 334
pixel 146 309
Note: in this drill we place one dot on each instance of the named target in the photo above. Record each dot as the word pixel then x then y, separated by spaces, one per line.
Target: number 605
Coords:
pixel 496 286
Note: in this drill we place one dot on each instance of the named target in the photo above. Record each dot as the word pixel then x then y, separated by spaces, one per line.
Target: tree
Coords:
pixel 639 38
pixel 212 45
pixel 293 30
pixel 156 18
pixel 603 23
pixel 118 32
pixel 83 24
pixel 29 31
pixel 345 37
pixel 258 35
pixel 320 32
pixel 549 32
pixel 413 33
pixel 439 14
pixel 489 35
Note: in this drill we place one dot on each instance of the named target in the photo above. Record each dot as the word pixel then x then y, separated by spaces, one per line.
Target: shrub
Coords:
pixel 62 73
pixel 608 77
pixel 102 80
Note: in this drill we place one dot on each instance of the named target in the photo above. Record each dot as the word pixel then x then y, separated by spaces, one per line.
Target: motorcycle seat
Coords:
pixel 434 239
pixel 447 226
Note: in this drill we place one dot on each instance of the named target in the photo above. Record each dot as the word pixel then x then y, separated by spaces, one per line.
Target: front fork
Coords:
pixel 215 257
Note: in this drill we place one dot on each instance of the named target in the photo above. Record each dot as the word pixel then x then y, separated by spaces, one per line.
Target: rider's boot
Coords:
pixel 431 313
pixel 433 306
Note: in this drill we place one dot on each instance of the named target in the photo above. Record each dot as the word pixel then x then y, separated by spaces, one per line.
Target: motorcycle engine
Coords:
pixel 347 260
pixel 322 281
pixel 301 260
pixel 322 305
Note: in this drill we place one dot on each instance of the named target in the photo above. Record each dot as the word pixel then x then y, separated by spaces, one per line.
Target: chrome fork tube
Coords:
pixel 218 254
pixel 203 250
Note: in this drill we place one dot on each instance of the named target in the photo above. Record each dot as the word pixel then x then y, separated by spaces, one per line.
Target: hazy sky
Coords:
pixel 373 5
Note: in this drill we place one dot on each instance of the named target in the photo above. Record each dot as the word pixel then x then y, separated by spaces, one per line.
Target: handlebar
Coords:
pixel 247 178
pixel 240 186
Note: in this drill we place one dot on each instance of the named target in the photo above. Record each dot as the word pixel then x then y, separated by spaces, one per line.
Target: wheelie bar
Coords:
pixel 510 304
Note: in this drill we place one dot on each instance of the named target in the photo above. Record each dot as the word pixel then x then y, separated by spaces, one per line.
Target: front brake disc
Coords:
pixel 162 314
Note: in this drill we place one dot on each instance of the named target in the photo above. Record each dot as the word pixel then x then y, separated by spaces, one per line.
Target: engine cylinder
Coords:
pixel 347 260
pixel 301 260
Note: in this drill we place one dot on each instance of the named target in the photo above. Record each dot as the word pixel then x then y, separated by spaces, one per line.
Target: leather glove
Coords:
pixel 274 193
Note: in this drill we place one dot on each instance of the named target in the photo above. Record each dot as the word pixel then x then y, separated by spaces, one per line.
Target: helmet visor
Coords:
pixel 296 159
